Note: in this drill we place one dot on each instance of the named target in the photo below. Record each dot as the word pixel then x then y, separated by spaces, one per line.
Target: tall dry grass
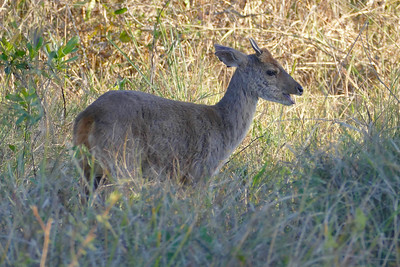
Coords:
pixel 313 184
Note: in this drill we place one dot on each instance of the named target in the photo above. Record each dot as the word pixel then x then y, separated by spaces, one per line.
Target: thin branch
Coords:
pixel 347 55
pixel 154 47
pixel 46 229
pixel 367 52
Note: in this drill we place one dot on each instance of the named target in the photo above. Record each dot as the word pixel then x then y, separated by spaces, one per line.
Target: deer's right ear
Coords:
pixel 255 47
pixel 230 56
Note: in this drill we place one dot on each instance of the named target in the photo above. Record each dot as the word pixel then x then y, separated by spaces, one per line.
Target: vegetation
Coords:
pixel 313 184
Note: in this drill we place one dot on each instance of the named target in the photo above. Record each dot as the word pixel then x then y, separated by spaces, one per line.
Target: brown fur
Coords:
pixel 266 57
pixel 131 132
pixel 82 129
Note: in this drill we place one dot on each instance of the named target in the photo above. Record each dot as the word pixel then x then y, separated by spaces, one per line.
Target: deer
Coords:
pixel 133 132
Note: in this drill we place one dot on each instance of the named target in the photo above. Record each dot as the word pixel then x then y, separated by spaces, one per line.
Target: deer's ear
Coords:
pixel 255 47
pixel 230 56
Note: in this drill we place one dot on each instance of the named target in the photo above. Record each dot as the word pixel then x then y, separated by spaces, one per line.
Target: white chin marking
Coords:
pixel 290 99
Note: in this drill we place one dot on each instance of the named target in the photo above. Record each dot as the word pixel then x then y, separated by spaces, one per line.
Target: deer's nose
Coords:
pixel 299 89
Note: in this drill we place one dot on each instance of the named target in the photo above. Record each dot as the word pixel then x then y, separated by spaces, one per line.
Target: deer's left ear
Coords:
pixel 255 47
pixel 231 57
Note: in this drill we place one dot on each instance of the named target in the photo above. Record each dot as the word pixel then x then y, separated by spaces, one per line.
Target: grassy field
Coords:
pixel 314 184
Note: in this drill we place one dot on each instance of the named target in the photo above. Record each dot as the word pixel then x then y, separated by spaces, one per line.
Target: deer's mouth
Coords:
pixel 289 98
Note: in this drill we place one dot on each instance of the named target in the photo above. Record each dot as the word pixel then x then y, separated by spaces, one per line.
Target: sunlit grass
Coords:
pixel 312 184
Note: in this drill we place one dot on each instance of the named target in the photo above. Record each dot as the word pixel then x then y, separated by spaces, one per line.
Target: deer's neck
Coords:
pixel 237 109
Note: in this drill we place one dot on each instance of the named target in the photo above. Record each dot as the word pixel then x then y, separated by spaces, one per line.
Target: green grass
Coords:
pixel 315 184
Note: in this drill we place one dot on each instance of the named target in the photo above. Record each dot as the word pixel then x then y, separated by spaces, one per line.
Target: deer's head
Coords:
pixel 263 76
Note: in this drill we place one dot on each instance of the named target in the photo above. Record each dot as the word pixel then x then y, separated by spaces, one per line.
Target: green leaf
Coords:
pixel 52 55
pixel 12 147
pixel 70 59
pixel 39 44
pixel 120 11
pixel 24 92
pixel 60 53
pixel 22 66
pixel 89 9
pixel 360 219
pixel 14 97
pixel 6 44
pixel 20 53
pixel 124 37
pixel 205 236
pixel 71 45
pixel 257 178
pixel 3 57
pixel 21 119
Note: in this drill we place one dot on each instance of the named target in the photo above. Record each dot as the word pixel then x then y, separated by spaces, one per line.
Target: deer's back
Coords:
pixel 157 133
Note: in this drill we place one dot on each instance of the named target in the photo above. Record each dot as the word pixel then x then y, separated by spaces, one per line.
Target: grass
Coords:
pixel 312 184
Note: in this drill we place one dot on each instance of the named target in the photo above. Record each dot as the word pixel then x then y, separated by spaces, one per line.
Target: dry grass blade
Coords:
pixel 315 184
pixel 46 229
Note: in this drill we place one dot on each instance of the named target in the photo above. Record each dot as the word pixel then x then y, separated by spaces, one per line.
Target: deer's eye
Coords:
pixel 271 72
